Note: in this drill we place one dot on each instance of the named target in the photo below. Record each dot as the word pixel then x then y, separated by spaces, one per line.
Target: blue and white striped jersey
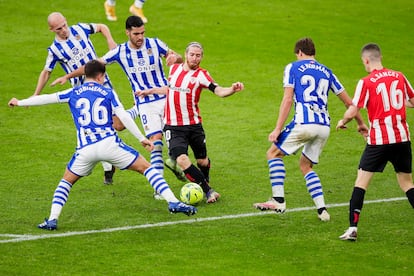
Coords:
pixel 311 82
pixel 74 52
pixel 143 67
pixel 91 105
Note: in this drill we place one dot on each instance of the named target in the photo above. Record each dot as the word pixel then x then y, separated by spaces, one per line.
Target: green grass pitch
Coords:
pixel 121 230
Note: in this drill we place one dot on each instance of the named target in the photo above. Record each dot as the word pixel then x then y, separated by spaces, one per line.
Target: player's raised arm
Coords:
pixel 102 28
pixel 228 91
pixel 156 90
pixel 41 99
pixel 62 80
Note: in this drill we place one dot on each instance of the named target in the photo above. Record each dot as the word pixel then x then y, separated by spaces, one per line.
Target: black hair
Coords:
pixel 93 68
pixel 133 21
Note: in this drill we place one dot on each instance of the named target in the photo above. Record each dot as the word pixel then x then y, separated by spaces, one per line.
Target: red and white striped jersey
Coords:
pixel 184 94
pixel 383 94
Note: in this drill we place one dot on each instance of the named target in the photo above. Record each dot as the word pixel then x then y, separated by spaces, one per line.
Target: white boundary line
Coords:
pixel 21 238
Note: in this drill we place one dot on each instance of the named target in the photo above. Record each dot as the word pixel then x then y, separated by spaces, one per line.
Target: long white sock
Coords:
pixel 139 3
pixel 111 2
pixel 159 184
pixel 156 157
pixel 277 174
pixel 106 166
pixel 59 198
pixel 313 183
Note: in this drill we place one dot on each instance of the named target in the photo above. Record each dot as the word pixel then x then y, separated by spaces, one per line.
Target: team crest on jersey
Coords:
pixel 149 52
pixel 141 62
pixel 75 50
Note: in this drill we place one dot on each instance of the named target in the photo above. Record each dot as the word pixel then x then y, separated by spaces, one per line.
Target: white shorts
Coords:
pixel 110 149
pixel 152 116
pixel 311 137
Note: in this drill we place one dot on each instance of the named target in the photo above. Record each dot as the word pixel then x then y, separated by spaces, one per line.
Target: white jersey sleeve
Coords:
pixel 58 97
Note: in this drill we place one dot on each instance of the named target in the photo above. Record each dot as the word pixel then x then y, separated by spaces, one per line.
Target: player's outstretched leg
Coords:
pixel 179 207
pixel 159 184
pixel 60 197
pixel 314 186
pixel 177 171
pixel 157 162
pixel 277 174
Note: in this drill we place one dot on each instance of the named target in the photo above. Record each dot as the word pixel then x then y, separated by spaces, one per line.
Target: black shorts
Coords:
pixel 178 139
pixel 375 157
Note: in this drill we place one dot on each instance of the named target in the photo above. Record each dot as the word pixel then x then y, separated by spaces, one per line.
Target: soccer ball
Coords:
pixel 191 193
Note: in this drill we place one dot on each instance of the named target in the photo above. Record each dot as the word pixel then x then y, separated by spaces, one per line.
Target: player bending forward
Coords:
pixel 91 106
pixel 183 123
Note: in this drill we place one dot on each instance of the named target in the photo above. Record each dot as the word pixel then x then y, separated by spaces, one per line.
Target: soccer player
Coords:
pixel 306 84
pixel 183 123
pixel 136 9
pixel 92 106
pixel 383 93
pixel 71 49
pixel 141 58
